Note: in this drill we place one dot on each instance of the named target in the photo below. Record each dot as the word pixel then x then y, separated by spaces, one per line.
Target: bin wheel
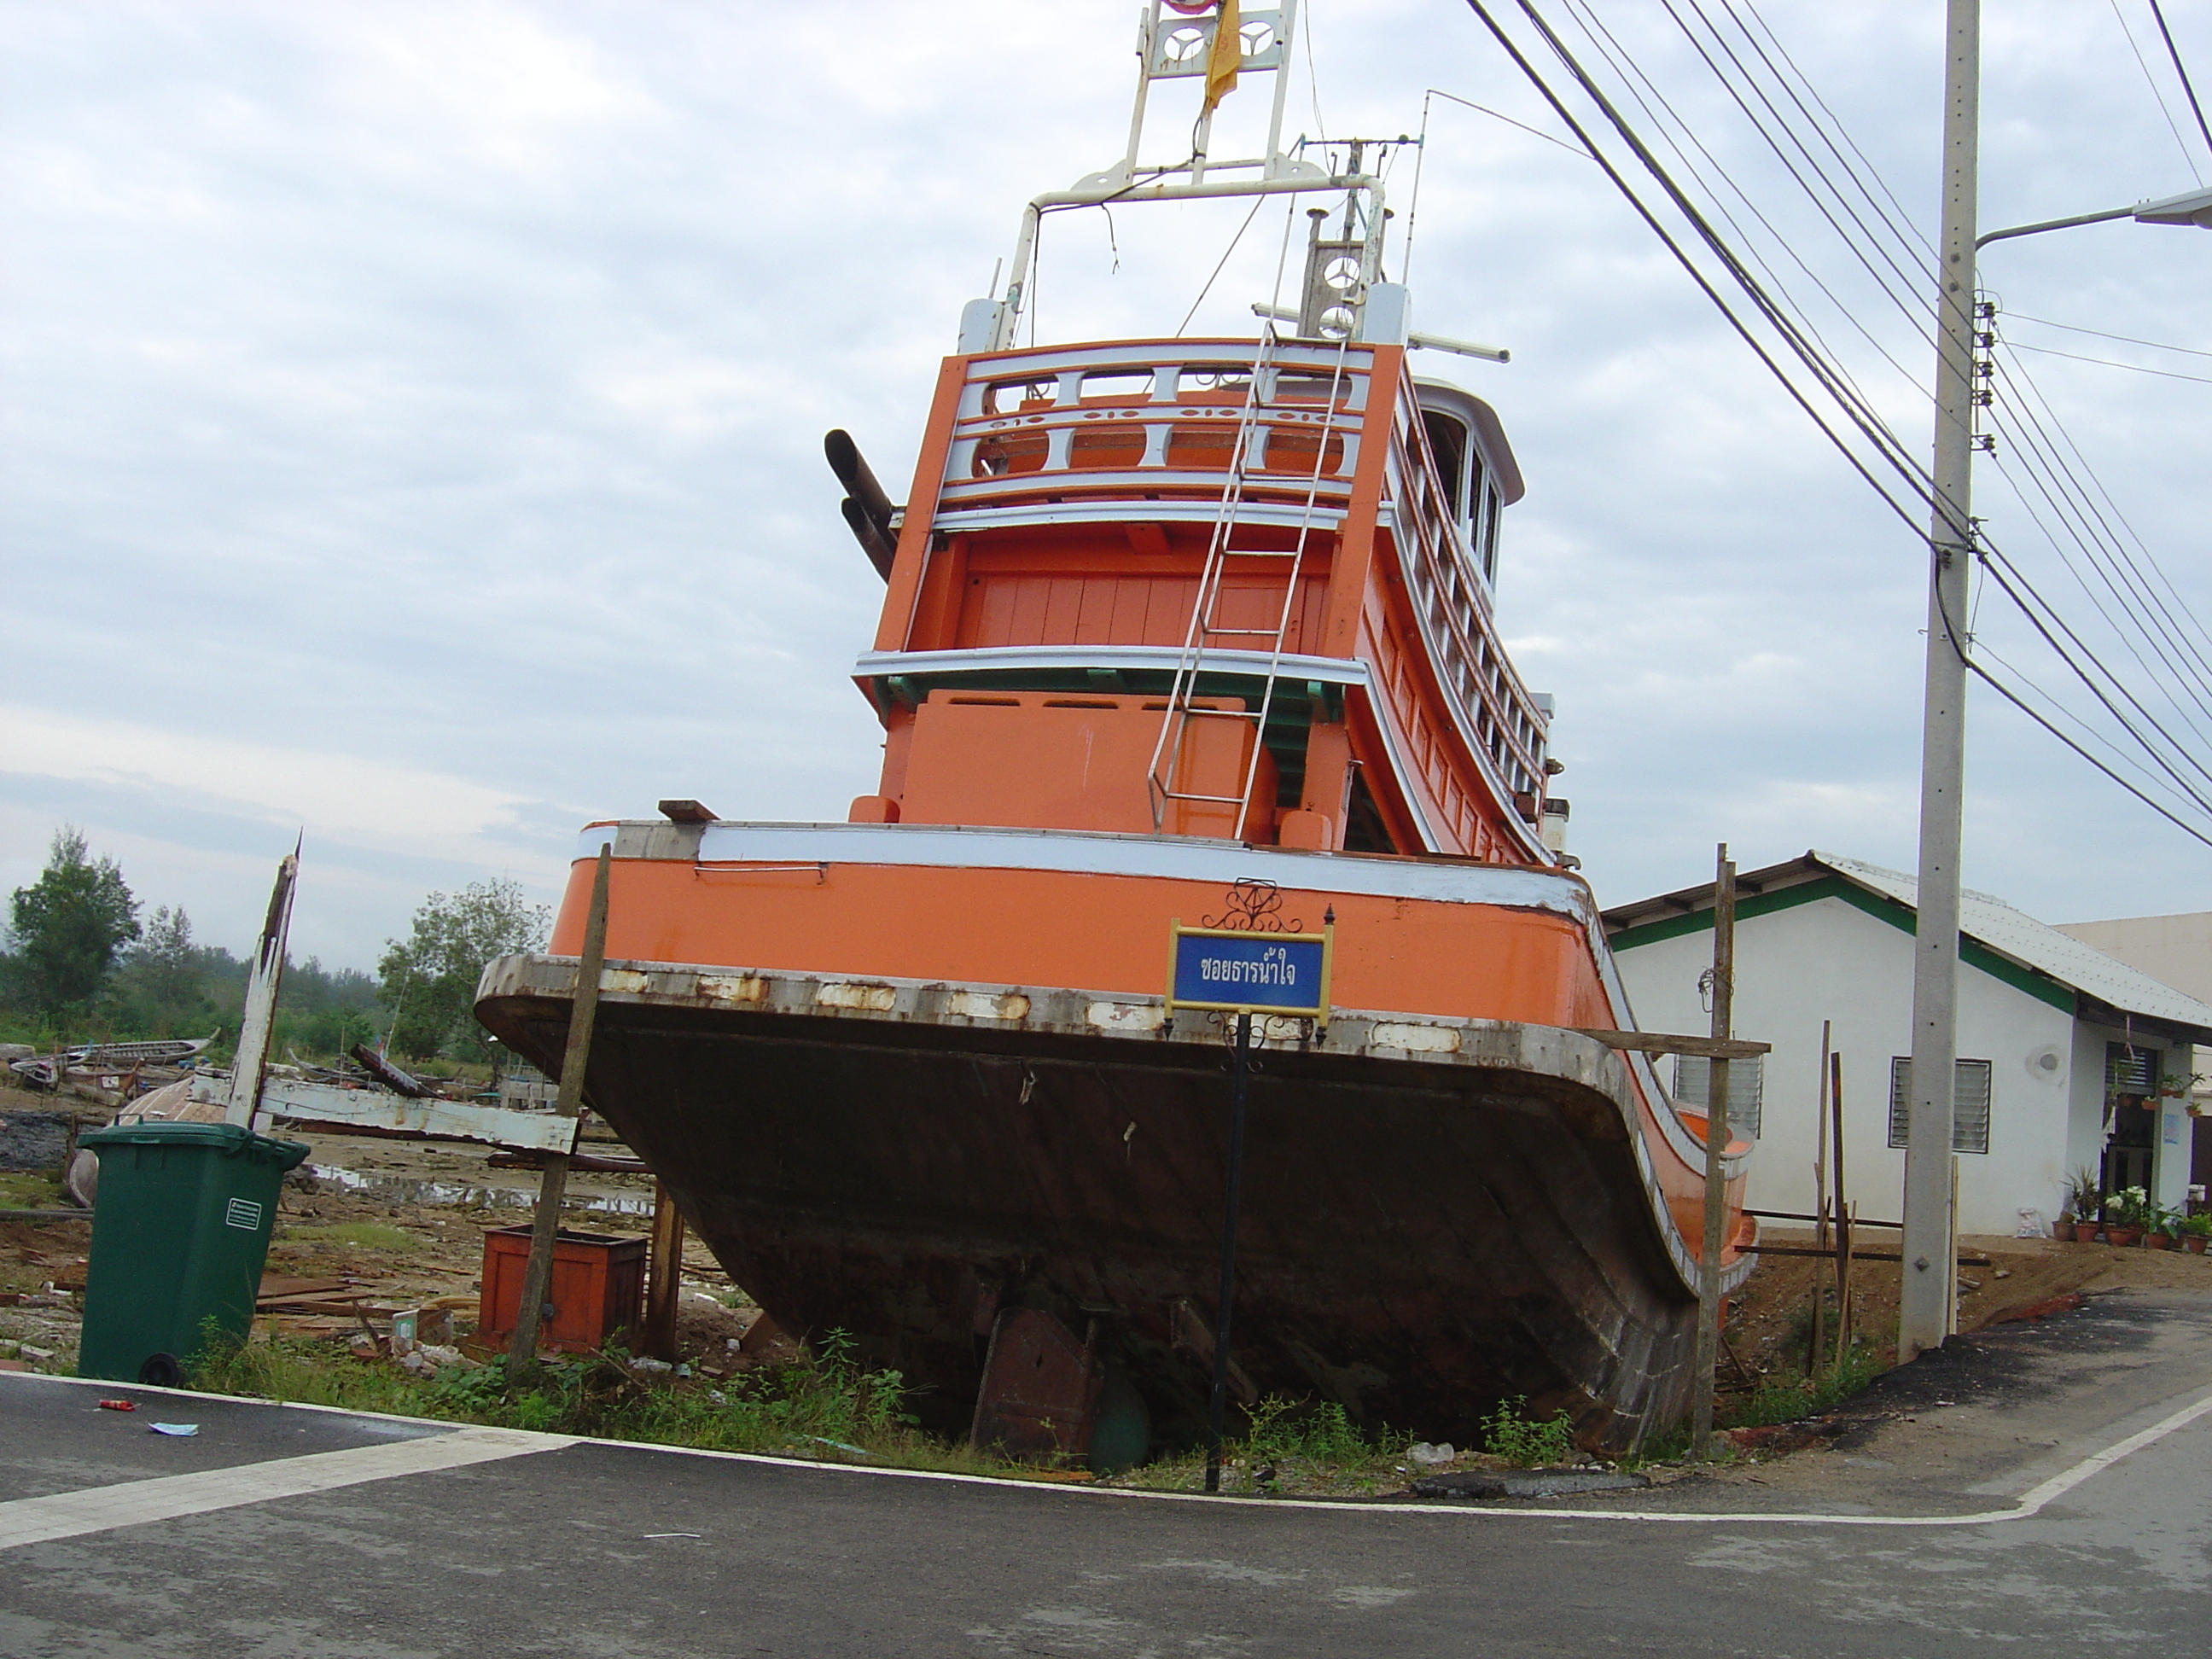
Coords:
pixel 161 1371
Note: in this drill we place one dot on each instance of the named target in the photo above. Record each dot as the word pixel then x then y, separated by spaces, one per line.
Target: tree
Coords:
pixel 67 926
pixel 427 981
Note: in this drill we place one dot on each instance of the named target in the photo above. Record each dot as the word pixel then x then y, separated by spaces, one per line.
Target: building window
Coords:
pixel 2131 1072
pixel 1970 1103
pixel 1693 1085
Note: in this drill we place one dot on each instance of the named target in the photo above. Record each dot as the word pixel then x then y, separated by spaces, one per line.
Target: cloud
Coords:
pixel 413 415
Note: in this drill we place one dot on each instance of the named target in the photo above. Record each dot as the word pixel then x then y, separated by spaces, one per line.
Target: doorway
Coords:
pixel 2131 1117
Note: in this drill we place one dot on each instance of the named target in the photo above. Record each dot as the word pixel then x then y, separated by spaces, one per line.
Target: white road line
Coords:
pixel 2030 1503
pixel 167 1497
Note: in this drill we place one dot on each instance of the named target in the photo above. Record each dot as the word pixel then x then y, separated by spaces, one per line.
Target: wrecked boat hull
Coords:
pixel 1437 1214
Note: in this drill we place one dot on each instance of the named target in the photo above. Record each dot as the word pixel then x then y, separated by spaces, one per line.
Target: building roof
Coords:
pixel 1997 939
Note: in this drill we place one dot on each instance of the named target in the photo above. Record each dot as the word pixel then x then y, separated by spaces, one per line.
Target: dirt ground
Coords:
pixel 1769 1318
pixel 400 1223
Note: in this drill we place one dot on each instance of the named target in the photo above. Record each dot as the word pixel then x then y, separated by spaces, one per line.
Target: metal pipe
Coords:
pixel 1225 1298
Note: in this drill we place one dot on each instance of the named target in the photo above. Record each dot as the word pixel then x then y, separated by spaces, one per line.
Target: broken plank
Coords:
pixel 1656 1043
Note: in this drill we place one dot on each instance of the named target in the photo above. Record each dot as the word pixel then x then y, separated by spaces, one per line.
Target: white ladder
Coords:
pixel 1205 627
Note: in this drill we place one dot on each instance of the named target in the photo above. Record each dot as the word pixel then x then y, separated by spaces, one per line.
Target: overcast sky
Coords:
pixel 413 417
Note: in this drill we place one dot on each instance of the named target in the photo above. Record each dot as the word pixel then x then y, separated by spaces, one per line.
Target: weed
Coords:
pixel 1786 1402
pixel 1520 1440
pixel 829 1401
pixel 22 1191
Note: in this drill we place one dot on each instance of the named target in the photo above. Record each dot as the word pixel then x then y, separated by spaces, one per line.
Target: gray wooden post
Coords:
pixel 1716 1140
pixel 553 1183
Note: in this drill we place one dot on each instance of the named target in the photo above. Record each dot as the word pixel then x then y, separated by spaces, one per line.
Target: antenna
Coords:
pixel 1176 41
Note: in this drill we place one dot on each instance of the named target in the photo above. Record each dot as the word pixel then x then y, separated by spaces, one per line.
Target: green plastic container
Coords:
pixel 179 1231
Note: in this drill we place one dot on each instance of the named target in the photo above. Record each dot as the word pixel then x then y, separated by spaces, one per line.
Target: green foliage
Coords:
pixel 1786 1402
pixel 2197 1226
pixel 66 928
pixel 2085 1193
pixel 1281 1430
pixel 1523 1441
pixel 2132 1206
pixel 166 985
pixel 829 1401
pixel 428 980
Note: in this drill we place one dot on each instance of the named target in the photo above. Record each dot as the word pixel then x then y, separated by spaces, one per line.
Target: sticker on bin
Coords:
pixel 243 1212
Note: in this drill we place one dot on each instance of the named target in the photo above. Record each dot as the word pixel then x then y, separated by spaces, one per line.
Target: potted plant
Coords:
pixel 2127 1214
pixel 2159 1227
pixel 2084 1197
pixel 2196 1232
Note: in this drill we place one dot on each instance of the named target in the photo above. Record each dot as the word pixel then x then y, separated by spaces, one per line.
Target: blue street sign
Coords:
pixel 1250 972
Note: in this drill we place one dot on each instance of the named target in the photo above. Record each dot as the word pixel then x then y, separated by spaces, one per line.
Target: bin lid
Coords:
pixel 230 1140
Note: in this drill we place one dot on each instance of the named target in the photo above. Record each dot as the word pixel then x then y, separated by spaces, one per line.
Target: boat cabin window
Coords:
pixel 1486 532
pixel 1448 439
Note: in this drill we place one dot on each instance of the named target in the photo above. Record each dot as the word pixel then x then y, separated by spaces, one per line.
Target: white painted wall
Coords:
pixel 1830 960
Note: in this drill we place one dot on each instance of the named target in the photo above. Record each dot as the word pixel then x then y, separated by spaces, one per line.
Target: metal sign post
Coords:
pixel 1243 972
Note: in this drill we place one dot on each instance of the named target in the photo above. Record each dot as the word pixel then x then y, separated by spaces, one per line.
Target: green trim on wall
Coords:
pixel 1880 906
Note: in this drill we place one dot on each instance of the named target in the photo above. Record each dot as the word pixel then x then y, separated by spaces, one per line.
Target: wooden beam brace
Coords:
pixel 1655 1042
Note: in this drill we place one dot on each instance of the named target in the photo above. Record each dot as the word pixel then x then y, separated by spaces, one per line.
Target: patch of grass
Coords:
pixel 27 1190
pixel 1288 1446
pixel 1510 1435
pixel 828 1406
pixel 1786 1402
pixel 360 1235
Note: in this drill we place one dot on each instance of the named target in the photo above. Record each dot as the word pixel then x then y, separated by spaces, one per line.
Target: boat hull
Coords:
pixel 1439 1213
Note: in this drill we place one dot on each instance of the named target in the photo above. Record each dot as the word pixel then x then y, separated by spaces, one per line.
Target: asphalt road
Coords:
pixel 278 1533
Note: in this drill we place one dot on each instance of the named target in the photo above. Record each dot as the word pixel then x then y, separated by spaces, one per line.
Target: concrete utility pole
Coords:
pixel 1707 1355
pixel 1923 1317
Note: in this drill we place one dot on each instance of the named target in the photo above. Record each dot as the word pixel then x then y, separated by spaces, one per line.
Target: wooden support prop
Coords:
pixel 1816 1343
pixel 1716 1139
pixel 1660 1042
pixel 1790 1215
pixel 1846 1218
pixel 664 1275
pixel 1857 1254
pixel 553 1183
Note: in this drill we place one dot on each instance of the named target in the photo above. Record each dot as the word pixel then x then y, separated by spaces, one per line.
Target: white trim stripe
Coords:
pixel 170 1498
pixel 1174 858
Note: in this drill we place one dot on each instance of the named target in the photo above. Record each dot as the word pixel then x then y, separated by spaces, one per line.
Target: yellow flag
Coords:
pixel 1227 53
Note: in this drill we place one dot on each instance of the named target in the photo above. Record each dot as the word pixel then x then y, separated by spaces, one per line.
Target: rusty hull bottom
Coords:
pixel 1418 1241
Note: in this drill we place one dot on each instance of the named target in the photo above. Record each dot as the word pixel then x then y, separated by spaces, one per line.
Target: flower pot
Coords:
pixel 2085 1232
pixel 2124 1235
pixel 2158 1241
pixel 2194 1243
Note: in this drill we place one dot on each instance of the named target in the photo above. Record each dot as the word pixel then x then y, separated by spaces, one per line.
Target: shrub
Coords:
pixel 1523 1441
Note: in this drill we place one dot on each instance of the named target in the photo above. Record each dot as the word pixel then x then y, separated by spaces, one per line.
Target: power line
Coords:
pixel 2108 362
pixel 2125 339
pixel 2181 69
pixel 2151 81
pixel 2077 510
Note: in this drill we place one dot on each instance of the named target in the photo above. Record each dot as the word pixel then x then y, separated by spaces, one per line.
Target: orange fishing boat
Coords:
pixel 1175 629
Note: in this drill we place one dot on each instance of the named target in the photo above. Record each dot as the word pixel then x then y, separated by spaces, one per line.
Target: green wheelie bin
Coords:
pixel 179 1231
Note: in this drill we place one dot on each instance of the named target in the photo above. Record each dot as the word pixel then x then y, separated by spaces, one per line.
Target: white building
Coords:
pixel 2178 951
pixel 2062 1050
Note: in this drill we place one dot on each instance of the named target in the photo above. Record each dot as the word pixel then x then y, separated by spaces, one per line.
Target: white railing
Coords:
pixel 1155 420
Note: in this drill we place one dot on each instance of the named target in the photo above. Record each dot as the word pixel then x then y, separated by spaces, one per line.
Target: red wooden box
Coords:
pixel 598 1290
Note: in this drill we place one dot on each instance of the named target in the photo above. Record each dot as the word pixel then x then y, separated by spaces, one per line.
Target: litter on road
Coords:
pixel 181 1430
